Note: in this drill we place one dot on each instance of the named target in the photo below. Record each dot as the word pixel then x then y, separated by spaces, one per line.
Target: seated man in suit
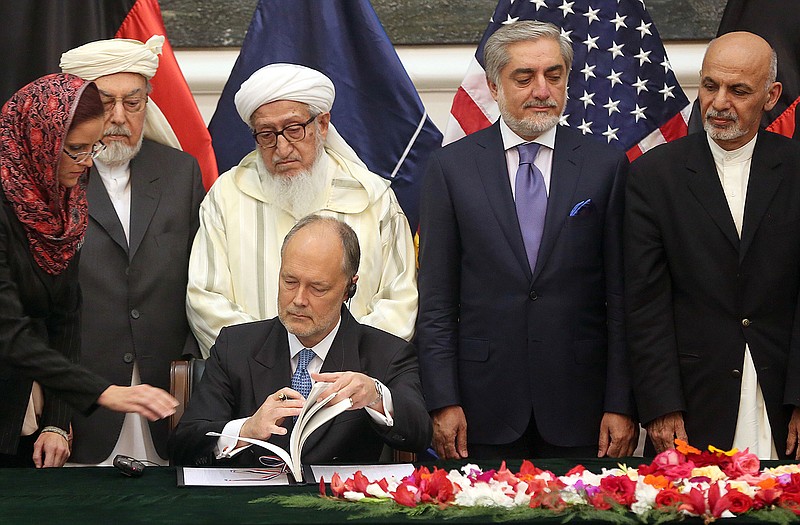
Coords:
pixel 259 373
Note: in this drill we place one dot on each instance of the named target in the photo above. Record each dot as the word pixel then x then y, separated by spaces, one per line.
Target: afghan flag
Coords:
pixel 777 21
pixel 36 33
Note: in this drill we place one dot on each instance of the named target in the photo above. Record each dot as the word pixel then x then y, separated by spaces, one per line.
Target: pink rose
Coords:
pixel 746 464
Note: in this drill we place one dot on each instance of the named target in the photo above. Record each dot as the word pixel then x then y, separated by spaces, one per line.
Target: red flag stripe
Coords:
pixel 468 115
pixel 674 128
pixel 170 90
pixel 785 123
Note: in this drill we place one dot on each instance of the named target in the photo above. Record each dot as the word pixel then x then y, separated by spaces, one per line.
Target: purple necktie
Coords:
pixel 530 197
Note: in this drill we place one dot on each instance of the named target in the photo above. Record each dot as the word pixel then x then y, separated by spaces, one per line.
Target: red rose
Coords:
pixel 735 501
pixel 620 488
pixel 669 497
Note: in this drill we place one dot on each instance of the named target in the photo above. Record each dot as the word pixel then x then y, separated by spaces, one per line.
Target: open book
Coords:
pixel 314 415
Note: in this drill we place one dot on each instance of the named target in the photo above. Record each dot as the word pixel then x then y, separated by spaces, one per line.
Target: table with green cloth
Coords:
pixel 104 495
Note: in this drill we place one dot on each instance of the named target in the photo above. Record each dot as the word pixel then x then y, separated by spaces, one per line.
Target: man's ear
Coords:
pixel 324 119
pixel 773 95
pixel 492 88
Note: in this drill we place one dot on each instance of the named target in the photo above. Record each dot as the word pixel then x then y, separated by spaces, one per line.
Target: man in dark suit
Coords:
pixel 259 373
pixel 520 331
pixel 144 198
pixel 712 259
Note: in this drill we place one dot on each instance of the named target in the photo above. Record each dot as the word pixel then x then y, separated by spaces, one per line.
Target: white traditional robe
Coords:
pixel 233 268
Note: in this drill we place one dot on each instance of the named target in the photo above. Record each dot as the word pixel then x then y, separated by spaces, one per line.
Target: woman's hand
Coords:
pixel 50 450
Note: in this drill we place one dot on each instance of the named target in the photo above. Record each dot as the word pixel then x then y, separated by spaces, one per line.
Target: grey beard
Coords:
pixel 299 194
pixel 118 153
pixel 530 127
pixel 731 133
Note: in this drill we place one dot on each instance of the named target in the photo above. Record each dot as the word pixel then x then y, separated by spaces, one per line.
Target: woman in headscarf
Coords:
pixel 49 133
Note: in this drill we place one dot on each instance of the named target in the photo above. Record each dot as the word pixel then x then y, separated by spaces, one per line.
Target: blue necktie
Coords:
pixel 301 381
pixel 530 197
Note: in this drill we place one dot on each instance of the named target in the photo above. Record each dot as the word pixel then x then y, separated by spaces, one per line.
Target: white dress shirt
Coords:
pixel 543 160
pixel 225 447
pixel 753 430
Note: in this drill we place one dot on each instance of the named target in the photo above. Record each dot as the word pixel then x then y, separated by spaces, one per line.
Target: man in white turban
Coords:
pixel 144 196
pixel 301 165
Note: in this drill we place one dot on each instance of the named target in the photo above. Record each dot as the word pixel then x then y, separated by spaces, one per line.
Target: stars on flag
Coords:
pixel 618 58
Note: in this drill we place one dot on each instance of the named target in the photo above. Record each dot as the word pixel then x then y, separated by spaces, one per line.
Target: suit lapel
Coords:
pixel 145 195
pixel 765 179
pixel 564 176
pixel 703 182
pixel 271 365
pixel 102 210
pixel 493 173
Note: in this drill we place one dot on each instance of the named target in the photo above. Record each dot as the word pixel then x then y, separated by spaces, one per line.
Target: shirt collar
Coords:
pixel 321 349
pixel 724 157
pixel 512 140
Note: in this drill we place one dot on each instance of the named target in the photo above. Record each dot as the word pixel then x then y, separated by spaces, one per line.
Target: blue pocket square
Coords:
pixel 581 207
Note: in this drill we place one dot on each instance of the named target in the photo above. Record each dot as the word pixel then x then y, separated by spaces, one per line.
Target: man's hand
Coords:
pixel 450 432
pixel 358 387
pixel 664 430
pixel 270 415
pixel 50 450
pixel 618 436
pixel 152 403
pixel 793 439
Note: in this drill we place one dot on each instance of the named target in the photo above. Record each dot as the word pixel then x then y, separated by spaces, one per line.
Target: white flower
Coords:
pixel 373 489
pixel 353 496
pixel 484 495
pixel 645 497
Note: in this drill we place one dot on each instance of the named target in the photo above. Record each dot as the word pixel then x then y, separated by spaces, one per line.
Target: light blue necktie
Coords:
pixel 301 381
pixel 530 197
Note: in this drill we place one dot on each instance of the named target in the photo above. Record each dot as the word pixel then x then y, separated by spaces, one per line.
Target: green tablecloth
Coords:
pixel 104 495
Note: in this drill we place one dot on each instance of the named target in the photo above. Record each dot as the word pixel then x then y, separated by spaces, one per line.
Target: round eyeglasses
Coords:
pixel 81 156
pixel 292 133
pixel 129 104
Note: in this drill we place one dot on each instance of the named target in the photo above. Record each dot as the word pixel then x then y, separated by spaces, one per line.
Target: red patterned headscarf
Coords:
pixel 33 126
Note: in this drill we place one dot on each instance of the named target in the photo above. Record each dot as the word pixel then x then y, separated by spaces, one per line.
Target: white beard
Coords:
pixel 117 152
pixel 300 194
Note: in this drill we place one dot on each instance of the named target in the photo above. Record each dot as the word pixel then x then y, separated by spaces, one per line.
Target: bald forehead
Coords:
pixel 739 49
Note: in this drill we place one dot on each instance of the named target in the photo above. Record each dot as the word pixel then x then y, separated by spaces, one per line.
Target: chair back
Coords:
pixel 183 376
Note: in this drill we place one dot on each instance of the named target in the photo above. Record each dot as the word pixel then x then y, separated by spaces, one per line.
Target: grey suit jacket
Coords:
pixel 134 296
pixel 251 361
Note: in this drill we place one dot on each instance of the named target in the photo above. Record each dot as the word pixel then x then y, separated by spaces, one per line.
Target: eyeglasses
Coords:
pixel 293 133
pixel 130 105
pixel 81 156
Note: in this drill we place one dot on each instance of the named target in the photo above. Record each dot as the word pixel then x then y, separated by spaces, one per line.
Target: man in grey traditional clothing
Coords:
pixel 301 165
pixel 144 196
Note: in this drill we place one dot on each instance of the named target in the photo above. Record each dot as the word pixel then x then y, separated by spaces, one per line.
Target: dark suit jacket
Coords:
pixel 134 297
pixel 39 320
pixel 696 293
pixel 251 361
pixel 504 340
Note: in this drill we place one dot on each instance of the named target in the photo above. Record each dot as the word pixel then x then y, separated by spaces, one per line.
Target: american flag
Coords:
pixel 622 89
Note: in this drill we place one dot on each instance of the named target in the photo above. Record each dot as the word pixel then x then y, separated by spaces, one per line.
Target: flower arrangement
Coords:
pixel 679 482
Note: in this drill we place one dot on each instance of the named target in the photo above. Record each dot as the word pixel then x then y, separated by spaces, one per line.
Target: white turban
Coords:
pixel 296 83
pixel 118 55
